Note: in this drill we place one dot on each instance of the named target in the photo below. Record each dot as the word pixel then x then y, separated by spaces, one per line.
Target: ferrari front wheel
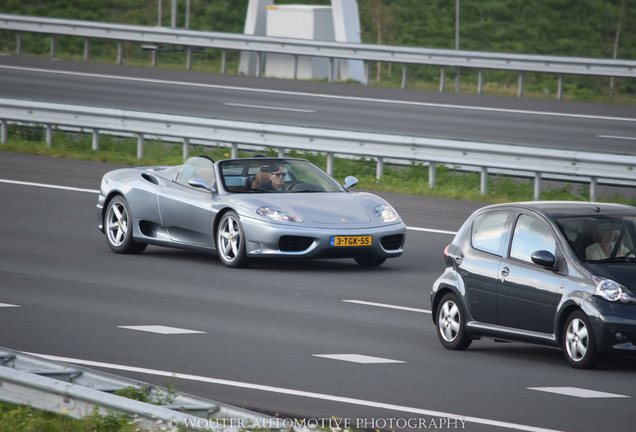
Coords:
pixel 118 228
pixel 230 241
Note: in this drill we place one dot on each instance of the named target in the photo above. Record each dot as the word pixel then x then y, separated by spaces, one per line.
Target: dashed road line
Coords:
pixel 578 392
pixel 358 358
pixel 160 329
pixel 389 306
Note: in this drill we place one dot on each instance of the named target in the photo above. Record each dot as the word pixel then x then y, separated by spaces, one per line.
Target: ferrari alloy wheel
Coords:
pixel 579 345
pixel 230 241
pixel 118 228
pixel 451 324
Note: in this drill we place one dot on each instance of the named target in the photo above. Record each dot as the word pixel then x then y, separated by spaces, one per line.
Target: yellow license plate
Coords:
pixel 350 241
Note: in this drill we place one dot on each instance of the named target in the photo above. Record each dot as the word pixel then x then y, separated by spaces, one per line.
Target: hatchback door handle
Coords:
pixel 459 259
pixel 505 272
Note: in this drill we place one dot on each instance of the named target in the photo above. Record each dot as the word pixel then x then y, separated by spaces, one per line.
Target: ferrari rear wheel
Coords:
pixel 118 228
pixel 230 241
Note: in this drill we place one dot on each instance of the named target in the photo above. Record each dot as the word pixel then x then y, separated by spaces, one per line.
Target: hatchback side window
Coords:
pixel 531 235
pixel 488 232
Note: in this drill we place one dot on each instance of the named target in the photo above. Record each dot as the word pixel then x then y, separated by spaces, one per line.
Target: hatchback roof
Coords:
pixel 570 208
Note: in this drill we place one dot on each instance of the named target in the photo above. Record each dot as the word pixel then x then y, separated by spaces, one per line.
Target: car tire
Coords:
pixel 230 241
pixel 451 324
pixel 370 261
pixel 118 228
pixel 578 342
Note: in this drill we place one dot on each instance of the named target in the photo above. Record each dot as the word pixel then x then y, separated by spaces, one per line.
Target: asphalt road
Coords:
pixel 515 121
pixel 264 337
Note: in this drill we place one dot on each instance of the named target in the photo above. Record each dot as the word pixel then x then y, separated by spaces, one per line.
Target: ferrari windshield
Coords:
pixel 275 175
pixel 602 237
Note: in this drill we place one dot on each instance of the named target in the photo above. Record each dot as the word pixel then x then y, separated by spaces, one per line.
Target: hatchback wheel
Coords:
pixel 451 324
pixel 579 345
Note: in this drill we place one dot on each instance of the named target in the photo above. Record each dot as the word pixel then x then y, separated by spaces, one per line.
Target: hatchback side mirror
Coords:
pixel 543 258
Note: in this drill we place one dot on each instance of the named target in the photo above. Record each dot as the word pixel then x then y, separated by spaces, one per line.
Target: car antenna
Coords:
pixel 596 208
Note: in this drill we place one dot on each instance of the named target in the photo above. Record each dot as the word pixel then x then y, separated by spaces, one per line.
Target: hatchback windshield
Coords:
pixel 602 237
pixel 265 175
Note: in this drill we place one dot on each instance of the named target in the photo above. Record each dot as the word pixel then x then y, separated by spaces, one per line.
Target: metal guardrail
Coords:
pixel 78 392
pixel 584 166
pixel 333 50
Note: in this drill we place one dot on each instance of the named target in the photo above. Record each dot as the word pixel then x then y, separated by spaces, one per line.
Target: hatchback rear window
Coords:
pixel 488 233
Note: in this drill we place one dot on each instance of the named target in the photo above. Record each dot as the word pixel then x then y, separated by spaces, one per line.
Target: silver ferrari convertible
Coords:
pixel 242 209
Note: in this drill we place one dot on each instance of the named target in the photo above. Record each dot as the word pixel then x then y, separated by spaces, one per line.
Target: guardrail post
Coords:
pixel 223 62
pixel 296 67
pixel 281 152
pixel 537 186
pixel 483 181
pixel 86 48
pixel 520 87
pixel 560 88
pixel 154 58
pixel 379 169
pixel 331 69
pixel 234 154
pixel 49 136
pixel 95 143
pixel 259 63
pixel 186 149
pixel 140 146
pixel 120 52
pixel 404 75
pixel 480 82
pixel 593 188
pixel 3 131
pixel 18 44
pixel 442 80
pixel 330 164
pixel 367 73
pixel 53 46
pixel 431 174
pixel 188 58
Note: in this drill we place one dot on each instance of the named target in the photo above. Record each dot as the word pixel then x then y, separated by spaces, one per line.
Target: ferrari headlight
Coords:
pixel 278 214
pixel 610 290
pixel 386 213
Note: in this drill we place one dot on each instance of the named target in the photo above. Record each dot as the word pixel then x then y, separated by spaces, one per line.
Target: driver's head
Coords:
pixel 277 175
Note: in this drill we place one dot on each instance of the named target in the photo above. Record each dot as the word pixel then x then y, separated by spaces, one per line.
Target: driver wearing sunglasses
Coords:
pixel 276 178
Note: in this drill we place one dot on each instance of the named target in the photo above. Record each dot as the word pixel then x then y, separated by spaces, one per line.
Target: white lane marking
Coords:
pixel 160 329
pixel 74 189
pixel 301 393
pixel 578 392
pixel 269 107
pixel 324 96
pixel 617 137
pixel 431 230
pixel 358 358
pixel 8 305
pixel 383 305
pixel 97 191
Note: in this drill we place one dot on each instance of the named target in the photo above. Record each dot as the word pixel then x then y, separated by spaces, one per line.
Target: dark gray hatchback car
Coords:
pixel 561 274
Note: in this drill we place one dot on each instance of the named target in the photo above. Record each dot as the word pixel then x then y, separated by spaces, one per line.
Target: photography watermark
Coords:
pixel 333 424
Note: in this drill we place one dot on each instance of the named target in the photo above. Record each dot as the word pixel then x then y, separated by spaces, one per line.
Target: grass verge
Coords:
pixel 406 179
